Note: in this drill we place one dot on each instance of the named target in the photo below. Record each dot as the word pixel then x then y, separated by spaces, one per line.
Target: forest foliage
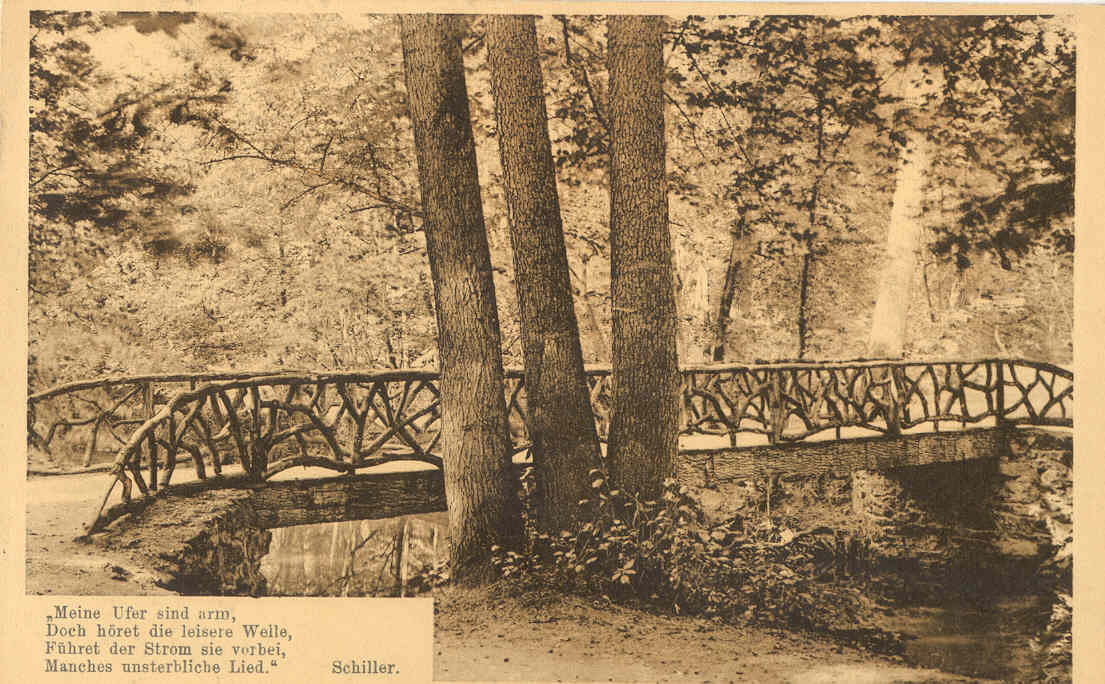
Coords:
pixel 240 191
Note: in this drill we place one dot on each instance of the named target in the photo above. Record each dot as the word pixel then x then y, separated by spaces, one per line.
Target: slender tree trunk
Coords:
pixel 479 486
pixel 691 304
pixel 645 428
pixel 903 239
pixel 401 560
pixel 928 292
pixel 602 344
pixel 808 241
pixel 561 423
pixel 803 301
pixel 728 292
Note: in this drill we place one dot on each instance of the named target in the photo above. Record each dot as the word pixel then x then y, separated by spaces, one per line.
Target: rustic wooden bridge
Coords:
pixel 766 417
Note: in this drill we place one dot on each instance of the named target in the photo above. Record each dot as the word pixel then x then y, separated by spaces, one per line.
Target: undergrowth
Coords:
pixel 662 554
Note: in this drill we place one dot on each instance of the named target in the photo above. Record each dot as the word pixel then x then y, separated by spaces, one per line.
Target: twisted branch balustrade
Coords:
pixel 270 422
pixel 106 404
pixel 789 403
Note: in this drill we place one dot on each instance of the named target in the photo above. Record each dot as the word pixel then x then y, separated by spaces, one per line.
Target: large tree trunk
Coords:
pixel 645 427
pixel 480 489
pixel 561 423
pixel 903 239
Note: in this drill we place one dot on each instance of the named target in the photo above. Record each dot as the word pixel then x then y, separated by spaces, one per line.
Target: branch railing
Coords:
pixel 270 422
pixel 94 411
pixel 789 403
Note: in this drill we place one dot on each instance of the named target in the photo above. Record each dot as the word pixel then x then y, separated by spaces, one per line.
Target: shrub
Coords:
pixel 662 554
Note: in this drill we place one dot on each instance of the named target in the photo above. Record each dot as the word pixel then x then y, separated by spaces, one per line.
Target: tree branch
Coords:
pixel 595 105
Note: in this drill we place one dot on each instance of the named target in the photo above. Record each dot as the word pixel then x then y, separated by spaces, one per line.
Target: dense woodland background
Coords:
pixel 233 191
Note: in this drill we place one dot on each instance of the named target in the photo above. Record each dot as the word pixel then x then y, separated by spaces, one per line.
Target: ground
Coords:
pixel 482 634
pixel 57 509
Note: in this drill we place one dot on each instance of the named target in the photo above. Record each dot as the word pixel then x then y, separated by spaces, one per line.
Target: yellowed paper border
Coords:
pixel 18 664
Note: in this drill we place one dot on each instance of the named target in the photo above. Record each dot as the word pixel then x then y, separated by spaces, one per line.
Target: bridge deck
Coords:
pixel 387 492
pixel 350 422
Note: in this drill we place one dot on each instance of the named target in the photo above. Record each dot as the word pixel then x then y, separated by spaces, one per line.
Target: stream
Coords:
pixel 355 558
pixel 990 640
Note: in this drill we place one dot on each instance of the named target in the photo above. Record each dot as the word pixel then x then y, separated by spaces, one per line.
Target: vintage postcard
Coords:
pixel 553 341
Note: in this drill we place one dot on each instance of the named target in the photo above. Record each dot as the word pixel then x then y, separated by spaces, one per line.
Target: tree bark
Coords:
pixel 476 449
pixel 903 239
pixel 561 423
pixel 645 427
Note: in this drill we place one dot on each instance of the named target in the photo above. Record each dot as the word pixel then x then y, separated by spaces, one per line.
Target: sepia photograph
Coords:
pixel 692 348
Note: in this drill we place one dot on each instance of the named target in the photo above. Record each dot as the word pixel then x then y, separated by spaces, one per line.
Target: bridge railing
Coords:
pixel 270 422
pixel 788 403
pixel 99 415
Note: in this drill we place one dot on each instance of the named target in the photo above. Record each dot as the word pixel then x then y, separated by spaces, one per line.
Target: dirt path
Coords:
pixel 57 509
pixel 480 636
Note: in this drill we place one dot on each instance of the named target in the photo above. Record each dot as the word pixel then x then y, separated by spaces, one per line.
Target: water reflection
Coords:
pixel 998 640
pixel 355 558
pixel 1007 638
